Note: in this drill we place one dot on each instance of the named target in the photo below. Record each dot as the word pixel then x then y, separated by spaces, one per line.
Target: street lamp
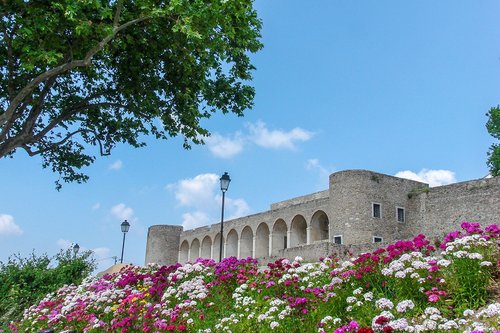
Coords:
pixel 224 184
pixel 125 226
pixel 76 248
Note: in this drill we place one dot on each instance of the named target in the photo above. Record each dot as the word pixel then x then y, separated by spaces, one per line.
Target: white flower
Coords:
pixel 490 311
pixel 400 274
pixel 384 303
pixel 429 324
pixel 405 305
pixel 444 263
pixel 351 299
pixel 477 256
pixel 357 291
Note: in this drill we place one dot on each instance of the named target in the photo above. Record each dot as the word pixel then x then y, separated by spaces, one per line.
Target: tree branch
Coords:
pixel 116 19
pixel 25 138
pixel 66 138
pixel 66 115
pixel 37 109
pixel 10 63
pixel 30 87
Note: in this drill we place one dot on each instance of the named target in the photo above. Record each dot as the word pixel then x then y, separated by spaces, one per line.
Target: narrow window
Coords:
pixel 284 242
pixel 337 239
pixel 376 210
pixel 400 212
pixel 377 239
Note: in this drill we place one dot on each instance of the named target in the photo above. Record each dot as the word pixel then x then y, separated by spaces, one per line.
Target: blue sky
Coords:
pixel 397 87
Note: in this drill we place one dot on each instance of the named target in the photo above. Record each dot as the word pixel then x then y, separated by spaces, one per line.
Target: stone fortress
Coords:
pixel 359 210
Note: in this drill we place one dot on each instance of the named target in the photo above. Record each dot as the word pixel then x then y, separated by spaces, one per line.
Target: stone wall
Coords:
pixel 163 244
pixel 306 226
pixel 352 194
pixel 442 209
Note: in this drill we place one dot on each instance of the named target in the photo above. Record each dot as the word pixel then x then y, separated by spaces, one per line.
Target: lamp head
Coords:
pixel 224 182
pixel 125 226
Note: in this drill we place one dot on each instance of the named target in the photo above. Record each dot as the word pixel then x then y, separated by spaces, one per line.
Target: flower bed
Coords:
pixel 409 286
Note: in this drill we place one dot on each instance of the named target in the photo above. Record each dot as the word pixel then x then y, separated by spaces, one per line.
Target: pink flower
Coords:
pixel 433 298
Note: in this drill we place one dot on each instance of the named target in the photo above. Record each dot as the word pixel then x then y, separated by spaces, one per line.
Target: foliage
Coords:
pixel 25 281
pixel 493 127
pixel 409 286
pixel 76 74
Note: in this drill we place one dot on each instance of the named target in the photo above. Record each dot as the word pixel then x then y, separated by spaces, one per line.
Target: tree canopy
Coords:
pixel 81 73
pixel 493 127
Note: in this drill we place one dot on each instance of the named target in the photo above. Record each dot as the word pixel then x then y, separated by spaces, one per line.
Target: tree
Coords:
pixel 493 127
pixel 25 281
pixel 81 73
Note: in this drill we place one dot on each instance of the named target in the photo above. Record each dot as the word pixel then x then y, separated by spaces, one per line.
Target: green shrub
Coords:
pixel 25 281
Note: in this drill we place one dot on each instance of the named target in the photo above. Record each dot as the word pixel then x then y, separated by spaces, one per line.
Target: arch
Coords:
pixel 184 252
pixel 232 244
pixel 216 246
pixel 206 247
pixel 320 226
pixel 262 241
pixel 246 242
pixel 298 231
pixel 279 236
pixel 195 250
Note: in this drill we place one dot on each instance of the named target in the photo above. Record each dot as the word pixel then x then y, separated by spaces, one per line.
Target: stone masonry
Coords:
pixel 359 210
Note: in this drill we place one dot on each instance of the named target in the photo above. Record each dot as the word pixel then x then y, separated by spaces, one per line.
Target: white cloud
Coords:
pixel 96 206
pixel 431 177
pixel 196 191
pixel 194 220
pixel 101 254
pixel 122 212
pixel 8 227
pixel 201 195
pixel 64 244
pixel 116 165
pixel 257 133
pixel 276 139
pixel 314 165
pixel 238 207
pixel 225 147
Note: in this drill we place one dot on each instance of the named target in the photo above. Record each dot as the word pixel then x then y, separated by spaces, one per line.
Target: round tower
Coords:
pixel 162 245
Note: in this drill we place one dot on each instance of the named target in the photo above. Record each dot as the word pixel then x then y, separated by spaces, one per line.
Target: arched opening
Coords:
pixel 184 255
pixel 262 241
pixel 216 246
pixel 195 250
pixel 206 247
pixel 246 243
pixel 299 231
pixel 319 226
pixel 279 236
pixel 232 244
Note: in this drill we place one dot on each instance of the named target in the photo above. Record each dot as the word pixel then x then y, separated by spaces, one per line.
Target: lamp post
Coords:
pixel 125 226
pixel 76 248
pixel 224 184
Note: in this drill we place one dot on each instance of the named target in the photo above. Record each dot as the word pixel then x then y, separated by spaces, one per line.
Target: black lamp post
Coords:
pixel 76 248
pixel 224 184
pixel 125 226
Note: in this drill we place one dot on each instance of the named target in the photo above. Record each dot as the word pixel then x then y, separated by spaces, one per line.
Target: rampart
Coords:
pixel 360 209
